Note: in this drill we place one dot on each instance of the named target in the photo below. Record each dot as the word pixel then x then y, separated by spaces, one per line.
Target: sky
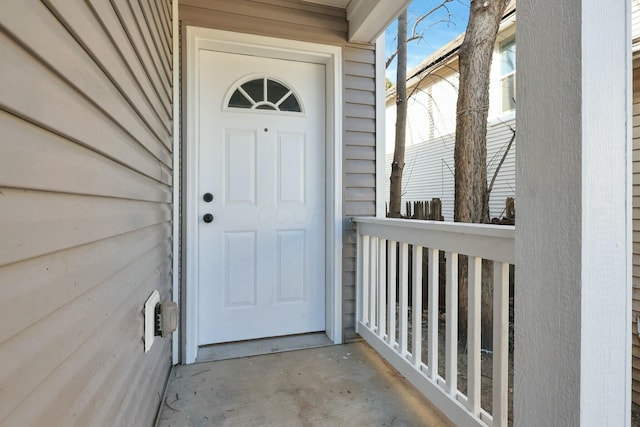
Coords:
pixel 436 34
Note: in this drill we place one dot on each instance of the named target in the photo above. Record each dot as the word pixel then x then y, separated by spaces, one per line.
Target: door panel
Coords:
pixel 240 168
pixel 291 280
pixel 240 285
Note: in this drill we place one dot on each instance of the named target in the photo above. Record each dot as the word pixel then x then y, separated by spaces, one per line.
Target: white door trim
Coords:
pixel 175 235
pixel 381 105
pixel 331 56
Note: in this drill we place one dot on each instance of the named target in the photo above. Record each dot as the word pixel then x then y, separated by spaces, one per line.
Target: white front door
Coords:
pixel 261 158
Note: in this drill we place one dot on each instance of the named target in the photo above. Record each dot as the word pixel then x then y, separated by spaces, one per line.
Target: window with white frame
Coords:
pixel 508 74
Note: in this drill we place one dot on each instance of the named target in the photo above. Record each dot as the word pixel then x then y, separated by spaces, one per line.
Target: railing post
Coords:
pixel 391 305
pixel 416 341
pixel 358 278
pixel 451 339
pixel 474 334
pixel 382 287
pixel 373 277
pixel 403 298
pixel 500 343
pixel 364 312
pixel 434 307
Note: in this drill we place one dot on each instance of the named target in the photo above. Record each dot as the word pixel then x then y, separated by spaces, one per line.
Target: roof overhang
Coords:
pixel 367 18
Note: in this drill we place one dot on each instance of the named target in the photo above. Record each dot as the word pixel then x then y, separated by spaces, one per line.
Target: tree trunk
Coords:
pixel 470 156
pixel 395 193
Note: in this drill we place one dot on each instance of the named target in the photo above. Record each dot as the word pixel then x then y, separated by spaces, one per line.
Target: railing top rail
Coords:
pixel 493 242
pixel 489 230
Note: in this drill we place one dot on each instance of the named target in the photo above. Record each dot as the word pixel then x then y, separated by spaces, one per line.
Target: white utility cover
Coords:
pixel 150 319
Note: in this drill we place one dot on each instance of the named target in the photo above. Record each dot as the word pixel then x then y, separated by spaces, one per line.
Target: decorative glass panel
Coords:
pixel 265 94
pixel 290 104
pixel 238 100
pixel 276 91
pixel 255 89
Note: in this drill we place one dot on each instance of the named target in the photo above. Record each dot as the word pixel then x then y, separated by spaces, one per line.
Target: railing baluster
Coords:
pixel 500 343
pixel 403 299
pixel 365 280
pixel 391 305
pixel 434 306
pixel 417 306
pixel 373 277
pixel 451 365
pixel 358 278
pixel 382 287
pixel 473 338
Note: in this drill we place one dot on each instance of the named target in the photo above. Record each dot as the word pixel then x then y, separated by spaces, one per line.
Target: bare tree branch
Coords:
pixel 414 30
pixel 391 58
pixel 504 156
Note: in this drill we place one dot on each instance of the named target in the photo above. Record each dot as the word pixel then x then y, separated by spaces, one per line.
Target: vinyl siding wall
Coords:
pixel 359 167
pixel 326 25
pixel 635 386
pixel 85 207
pixel 431 109
pixel 429 169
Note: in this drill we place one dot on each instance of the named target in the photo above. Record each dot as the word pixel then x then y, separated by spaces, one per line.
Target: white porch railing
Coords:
pixel 387 323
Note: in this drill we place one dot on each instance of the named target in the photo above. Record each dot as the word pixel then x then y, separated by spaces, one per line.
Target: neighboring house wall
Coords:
pixel 635 24
pixel 429 169
pixel 431 108
pixel 430 138
pixel 326 25
pixel 85 201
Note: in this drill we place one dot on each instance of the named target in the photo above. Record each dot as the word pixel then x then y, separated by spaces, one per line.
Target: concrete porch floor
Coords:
pixel 342 385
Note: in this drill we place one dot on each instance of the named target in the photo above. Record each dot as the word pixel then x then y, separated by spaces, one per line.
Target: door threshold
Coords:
pixel 234 350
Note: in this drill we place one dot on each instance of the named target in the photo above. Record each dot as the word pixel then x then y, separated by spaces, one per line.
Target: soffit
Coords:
pixel 367 18
pixel 335 3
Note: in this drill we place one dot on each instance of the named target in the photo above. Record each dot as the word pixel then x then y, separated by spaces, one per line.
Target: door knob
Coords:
pixel 207 197
pixel 207 218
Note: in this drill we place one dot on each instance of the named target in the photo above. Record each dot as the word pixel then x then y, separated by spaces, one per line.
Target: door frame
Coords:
pixel 199 38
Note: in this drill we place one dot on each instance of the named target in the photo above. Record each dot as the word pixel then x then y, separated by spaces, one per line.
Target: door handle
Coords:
pixel 207 218
pixel 207 197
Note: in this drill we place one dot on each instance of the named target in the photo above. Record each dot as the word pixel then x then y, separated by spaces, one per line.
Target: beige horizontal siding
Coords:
pixel 45 161
pixel 60 109
pixel 284 19
pixel 328 25
pixel 359 198
pixel 636 233
pixel 143 44
pixel 85 199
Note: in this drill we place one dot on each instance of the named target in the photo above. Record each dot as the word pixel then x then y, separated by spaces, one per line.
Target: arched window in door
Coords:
pixel 264 93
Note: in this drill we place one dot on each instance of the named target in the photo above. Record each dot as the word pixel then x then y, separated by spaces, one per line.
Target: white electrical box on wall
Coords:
pixel 150 320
